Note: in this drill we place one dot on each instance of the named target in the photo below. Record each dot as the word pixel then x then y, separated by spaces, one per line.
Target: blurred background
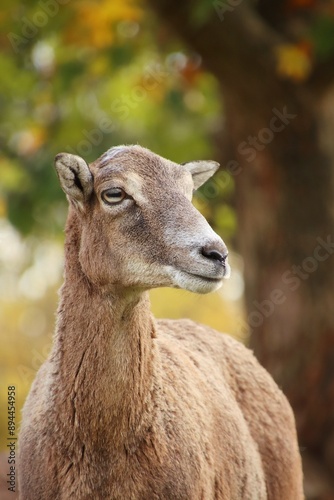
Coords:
pixel 247 83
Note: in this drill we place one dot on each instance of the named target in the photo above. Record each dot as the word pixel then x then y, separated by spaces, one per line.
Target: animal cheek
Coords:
pixel 100 268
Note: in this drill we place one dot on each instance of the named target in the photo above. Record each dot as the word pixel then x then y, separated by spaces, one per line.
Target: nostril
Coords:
pixel 213 254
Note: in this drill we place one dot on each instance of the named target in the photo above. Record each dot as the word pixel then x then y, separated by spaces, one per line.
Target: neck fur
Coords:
pixel 104 354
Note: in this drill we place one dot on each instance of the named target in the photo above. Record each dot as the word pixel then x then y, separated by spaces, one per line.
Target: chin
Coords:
pixel 204 287
pixel 196 284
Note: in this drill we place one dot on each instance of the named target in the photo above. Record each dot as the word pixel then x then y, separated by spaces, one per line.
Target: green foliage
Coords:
pixel 87 90
pixel 322 33
pixel 201 11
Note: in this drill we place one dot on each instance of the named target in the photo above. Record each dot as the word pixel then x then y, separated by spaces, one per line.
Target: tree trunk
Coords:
pixel 278 147
pixel 284 200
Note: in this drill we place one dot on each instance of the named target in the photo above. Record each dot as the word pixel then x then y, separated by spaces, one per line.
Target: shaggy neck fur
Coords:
pixel 105 355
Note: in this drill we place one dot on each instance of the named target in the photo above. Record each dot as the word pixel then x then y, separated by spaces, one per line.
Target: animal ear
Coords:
pixel 75 178
pixel 201 170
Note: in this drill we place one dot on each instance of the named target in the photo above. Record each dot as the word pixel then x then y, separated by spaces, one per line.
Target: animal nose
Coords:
pixel 214 254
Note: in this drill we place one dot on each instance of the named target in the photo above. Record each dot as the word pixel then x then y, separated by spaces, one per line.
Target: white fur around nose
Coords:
pixel 196 232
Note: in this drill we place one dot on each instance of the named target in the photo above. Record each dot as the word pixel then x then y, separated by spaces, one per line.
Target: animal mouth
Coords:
pixel 199 281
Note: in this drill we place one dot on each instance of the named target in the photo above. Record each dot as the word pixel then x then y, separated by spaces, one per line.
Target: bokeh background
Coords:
pixel 249 83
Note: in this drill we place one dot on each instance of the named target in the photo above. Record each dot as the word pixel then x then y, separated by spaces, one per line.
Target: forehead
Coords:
pixel 138 165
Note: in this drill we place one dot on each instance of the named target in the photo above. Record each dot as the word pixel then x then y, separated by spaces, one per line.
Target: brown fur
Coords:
pixel 127 407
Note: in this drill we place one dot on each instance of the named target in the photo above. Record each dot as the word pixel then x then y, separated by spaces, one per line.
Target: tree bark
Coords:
pixel 284 202
pixel 280 135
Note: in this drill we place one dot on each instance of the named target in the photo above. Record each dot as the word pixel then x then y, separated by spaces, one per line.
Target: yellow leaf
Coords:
pixel 293 62
pixel 95 21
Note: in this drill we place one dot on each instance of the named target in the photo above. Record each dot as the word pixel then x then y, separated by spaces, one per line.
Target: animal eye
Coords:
pixel 113 195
